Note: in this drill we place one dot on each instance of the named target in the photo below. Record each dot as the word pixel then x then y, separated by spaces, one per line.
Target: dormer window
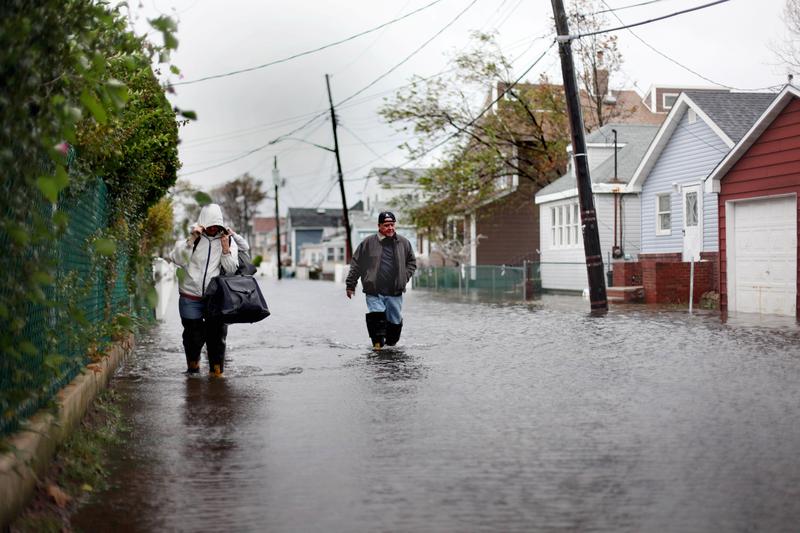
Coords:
pixel 668 100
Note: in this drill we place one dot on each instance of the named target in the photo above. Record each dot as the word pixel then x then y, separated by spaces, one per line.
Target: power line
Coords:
pixel 668 58
pixel 307 52
pixel 412 54
pixel 252 151
pixel 621 8
pixel 487 108
pixel 367 146
pixel 325 113
pixel 641 23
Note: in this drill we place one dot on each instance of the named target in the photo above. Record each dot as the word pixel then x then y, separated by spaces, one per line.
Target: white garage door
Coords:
pixel 764 273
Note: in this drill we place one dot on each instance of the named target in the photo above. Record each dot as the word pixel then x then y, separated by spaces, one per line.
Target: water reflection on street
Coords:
pixel 488 416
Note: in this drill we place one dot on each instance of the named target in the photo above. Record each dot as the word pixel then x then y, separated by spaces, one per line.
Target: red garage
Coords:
pixel 758 184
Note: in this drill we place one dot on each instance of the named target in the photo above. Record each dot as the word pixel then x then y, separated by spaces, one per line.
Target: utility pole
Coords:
pixel 276 180
pixel 348 244
pixel 591 236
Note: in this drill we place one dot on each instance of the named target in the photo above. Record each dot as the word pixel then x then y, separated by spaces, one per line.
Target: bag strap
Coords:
pixel 196 242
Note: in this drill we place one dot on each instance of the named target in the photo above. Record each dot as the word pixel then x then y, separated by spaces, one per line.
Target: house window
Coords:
pixel 663 214
pixel 330 254
pixel 668 100
pixel 564 221
pixel 575 221
pixel 340 254
pixel 691 209
pixel 692 116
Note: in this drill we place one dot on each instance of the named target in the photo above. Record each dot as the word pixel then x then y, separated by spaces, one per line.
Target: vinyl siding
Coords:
pixel 562 268
pixel 770 167
pixel 689 156
pixel 565 268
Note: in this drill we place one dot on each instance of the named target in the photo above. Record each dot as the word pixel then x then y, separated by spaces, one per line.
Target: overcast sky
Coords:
pixel 728 43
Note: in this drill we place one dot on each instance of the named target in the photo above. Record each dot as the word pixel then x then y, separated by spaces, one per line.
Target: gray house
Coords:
pixel 307 225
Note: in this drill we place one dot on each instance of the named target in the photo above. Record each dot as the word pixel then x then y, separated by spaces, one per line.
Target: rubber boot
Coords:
pixel 393 333
pixel 376 327
pixel 194 336
pixel 216 334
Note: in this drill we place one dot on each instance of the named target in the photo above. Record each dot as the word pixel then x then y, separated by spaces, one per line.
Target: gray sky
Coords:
pixel 728 43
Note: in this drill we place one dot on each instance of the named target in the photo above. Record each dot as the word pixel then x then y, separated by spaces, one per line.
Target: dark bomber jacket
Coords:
pixel 367 260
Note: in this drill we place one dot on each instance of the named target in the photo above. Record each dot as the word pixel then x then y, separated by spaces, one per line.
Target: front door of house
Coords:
pixel 692 222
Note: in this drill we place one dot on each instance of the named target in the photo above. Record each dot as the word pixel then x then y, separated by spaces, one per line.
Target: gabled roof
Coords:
pixel 751 135
pixel 396 176
pixel 633 141
pixel 727 114
pixel 304 217
pixel 734 113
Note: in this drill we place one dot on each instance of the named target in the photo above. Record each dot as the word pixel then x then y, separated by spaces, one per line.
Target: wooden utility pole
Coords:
pixel 276 180
pixel 591 235
pixel 348 244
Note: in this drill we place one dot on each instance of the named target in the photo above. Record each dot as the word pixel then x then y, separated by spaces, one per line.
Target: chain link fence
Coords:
pixel 484 281
pixel 80 304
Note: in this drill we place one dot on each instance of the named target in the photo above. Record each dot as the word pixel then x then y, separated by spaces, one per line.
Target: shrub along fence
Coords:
pixel 92 297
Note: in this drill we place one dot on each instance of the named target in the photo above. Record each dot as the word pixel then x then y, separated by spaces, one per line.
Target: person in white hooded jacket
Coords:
pixel 209 249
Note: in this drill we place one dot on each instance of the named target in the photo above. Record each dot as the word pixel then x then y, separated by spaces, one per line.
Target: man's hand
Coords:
pixel 197 230
pixel 226 244
pixel 350 293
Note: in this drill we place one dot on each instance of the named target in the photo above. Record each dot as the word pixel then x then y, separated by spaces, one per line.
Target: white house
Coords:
pixel 563 263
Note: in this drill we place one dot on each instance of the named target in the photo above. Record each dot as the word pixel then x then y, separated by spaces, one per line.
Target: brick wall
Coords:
pixel 668 282
pixel 627 273
pixel 664 258
pixel 712 257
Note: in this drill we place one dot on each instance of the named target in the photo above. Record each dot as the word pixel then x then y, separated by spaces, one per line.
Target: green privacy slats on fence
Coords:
pixel 82 305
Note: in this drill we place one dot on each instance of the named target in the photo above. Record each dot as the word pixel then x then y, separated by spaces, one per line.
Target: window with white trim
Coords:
pixel 564 223
pixel 663 214
pixel 668 100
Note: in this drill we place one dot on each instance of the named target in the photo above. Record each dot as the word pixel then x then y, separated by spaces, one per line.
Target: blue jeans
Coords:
pixel 391 305
pixel 191 309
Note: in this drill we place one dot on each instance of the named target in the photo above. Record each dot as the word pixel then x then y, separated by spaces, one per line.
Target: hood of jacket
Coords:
pixel 210 215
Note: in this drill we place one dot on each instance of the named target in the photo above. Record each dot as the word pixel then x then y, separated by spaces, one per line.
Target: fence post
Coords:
pixel 525 279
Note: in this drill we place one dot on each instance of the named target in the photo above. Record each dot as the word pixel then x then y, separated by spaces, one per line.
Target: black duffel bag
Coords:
pixel 235 300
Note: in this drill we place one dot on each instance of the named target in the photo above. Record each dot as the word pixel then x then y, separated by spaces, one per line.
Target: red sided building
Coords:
pixel 759 184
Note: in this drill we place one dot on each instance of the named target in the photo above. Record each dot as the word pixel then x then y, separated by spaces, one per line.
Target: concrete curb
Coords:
pixel 35 443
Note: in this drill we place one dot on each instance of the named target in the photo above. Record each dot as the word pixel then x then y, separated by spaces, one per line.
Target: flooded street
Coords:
pixel 486 417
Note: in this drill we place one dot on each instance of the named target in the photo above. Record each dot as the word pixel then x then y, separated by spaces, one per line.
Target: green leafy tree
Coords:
pixel 524 134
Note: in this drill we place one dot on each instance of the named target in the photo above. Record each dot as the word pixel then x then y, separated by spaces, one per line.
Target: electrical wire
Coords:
pixel 324 113
pixel 487 108
pixel 307 52
pixel 412 54
pixel 621 8
pixel 641 23
pixel 674 61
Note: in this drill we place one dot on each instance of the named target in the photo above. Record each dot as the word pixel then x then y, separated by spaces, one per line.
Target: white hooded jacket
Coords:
pixel 203 262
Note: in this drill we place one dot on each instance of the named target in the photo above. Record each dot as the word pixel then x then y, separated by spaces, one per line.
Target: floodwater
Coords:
pixel 487 417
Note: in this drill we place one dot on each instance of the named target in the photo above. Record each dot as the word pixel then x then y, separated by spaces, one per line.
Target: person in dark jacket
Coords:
pixel 384 262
